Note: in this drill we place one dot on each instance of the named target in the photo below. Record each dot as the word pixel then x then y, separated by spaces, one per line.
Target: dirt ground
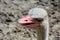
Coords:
pixel 12 10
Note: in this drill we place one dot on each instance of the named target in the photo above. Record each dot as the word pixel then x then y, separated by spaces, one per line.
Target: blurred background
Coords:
pixel 12 10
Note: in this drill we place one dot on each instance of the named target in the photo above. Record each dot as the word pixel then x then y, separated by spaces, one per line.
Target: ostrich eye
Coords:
pixel 38 19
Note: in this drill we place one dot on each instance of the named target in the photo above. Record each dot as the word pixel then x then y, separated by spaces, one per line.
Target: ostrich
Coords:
pixel 37 18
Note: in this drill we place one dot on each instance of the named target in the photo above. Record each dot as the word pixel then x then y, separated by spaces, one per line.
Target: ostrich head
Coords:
pixel 35 17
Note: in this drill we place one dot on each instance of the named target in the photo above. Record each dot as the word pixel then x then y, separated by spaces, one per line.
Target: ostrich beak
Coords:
pixel 28 22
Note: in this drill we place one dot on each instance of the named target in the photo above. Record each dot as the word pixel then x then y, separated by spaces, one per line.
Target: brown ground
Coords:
pixel 12 10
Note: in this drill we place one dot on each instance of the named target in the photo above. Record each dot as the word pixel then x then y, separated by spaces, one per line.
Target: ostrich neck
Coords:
pixel 46 25
pixel 42 31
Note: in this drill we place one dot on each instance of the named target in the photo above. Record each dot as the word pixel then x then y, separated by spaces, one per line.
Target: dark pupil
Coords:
pixel 38 20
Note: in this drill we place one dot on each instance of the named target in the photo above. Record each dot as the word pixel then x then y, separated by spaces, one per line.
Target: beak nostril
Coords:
pixel 26 20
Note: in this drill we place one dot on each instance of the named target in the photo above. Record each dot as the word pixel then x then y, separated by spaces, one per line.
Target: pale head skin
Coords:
pixel 37 13
pixel 41 13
